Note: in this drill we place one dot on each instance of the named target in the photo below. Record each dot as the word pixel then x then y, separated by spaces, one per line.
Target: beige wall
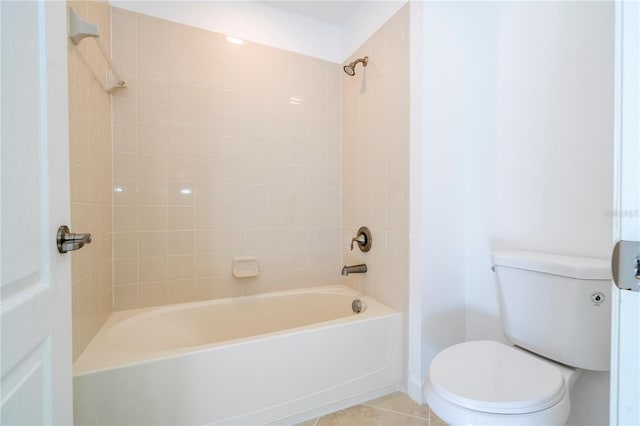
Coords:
pixel 220 150
pixel 375 162
pixel 90 155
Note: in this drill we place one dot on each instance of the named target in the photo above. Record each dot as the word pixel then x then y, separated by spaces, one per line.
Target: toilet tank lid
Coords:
pixel 584 268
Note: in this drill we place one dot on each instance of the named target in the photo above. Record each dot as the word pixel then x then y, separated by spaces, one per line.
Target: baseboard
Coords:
pixel 414 390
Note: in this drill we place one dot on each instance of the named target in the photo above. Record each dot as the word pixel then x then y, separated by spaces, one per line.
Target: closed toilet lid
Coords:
pixel 492 377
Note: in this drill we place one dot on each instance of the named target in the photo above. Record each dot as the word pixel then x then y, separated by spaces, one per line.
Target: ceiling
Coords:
pixel 332 12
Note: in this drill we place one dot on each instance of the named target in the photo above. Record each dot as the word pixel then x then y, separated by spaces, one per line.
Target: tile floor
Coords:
pixel 395 409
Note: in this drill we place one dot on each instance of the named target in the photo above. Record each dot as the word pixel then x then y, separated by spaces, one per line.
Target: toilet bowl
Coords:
pixel 556 311
pixel 490 383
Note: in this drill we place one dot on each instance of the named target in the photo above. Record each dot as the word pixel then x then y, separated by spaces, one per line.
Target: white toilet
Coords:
pixel 556 310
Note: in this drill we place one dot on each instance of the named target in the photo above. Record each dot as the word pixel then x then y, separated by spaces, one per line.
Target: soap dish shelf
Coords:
pixel 245 266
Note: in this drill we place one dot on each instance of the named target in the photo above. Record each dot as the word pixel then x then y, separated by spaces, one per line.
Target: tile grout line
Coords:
pixel 398 412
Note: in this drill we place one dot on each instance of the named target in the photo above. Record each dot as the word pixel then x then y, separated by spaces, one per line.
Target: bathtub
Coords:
pixel 272 358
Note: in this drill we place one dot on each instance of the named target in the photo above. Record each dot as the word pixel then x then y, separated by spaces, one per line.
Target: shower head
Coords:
pixel 351 68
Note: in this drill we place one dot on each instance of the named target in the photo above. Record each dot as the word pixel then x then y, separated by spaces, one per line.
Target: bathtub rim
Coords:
pixel 375 310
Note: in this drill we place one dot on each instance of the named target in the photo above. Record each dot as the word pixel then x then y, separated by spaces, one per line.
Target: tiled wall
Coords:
pixel 220 150
pixel 90 155
pixel 375 162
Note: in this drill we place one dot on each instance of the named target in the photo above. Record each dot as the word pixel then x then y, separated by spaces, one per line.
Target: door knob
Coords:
pixel 68 241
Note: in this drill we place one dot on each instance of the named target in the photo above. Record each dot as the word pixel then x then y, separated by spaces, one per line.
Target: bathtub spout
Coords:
pixel 355 269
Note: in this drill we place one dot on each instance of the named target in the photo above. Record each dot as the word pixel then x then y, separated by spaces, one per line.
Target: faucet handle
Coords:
pixel 360 239
pixel 363 238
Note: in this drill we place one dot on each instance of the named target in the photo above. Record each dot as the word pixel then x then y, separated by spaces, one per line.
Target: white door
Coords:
pixel 625 366
pixel 35 287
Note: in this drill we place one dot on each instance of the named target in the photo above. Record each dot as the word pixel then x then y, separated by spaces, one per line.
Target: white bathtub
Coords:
pixel 272 358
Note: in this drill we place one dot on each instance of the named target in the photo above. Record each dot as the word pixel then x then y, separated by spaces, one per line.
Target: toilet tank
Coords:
pixel 556 306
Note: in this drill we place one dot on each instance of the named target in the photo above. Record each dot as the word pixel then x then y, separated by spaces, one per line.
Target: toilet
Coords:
pixel 555 310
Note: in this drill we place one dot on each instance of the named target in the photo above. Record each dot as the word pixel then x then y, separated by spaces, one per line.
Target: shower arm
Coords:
pixel 364 61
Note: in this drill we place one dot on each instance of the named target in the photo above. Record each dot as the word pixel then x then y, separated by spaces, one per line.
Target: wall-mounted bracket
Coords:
pixel 80 29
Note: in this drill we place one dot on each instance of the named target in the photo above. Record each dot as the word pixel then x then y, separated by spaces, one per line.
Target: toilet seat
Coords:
pixel 491 377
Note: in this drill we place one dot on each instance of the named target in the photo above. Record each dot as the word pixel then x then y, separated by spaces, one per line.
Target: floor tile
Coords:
pixel 362 415
pixel 400 403
pixel 435 420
